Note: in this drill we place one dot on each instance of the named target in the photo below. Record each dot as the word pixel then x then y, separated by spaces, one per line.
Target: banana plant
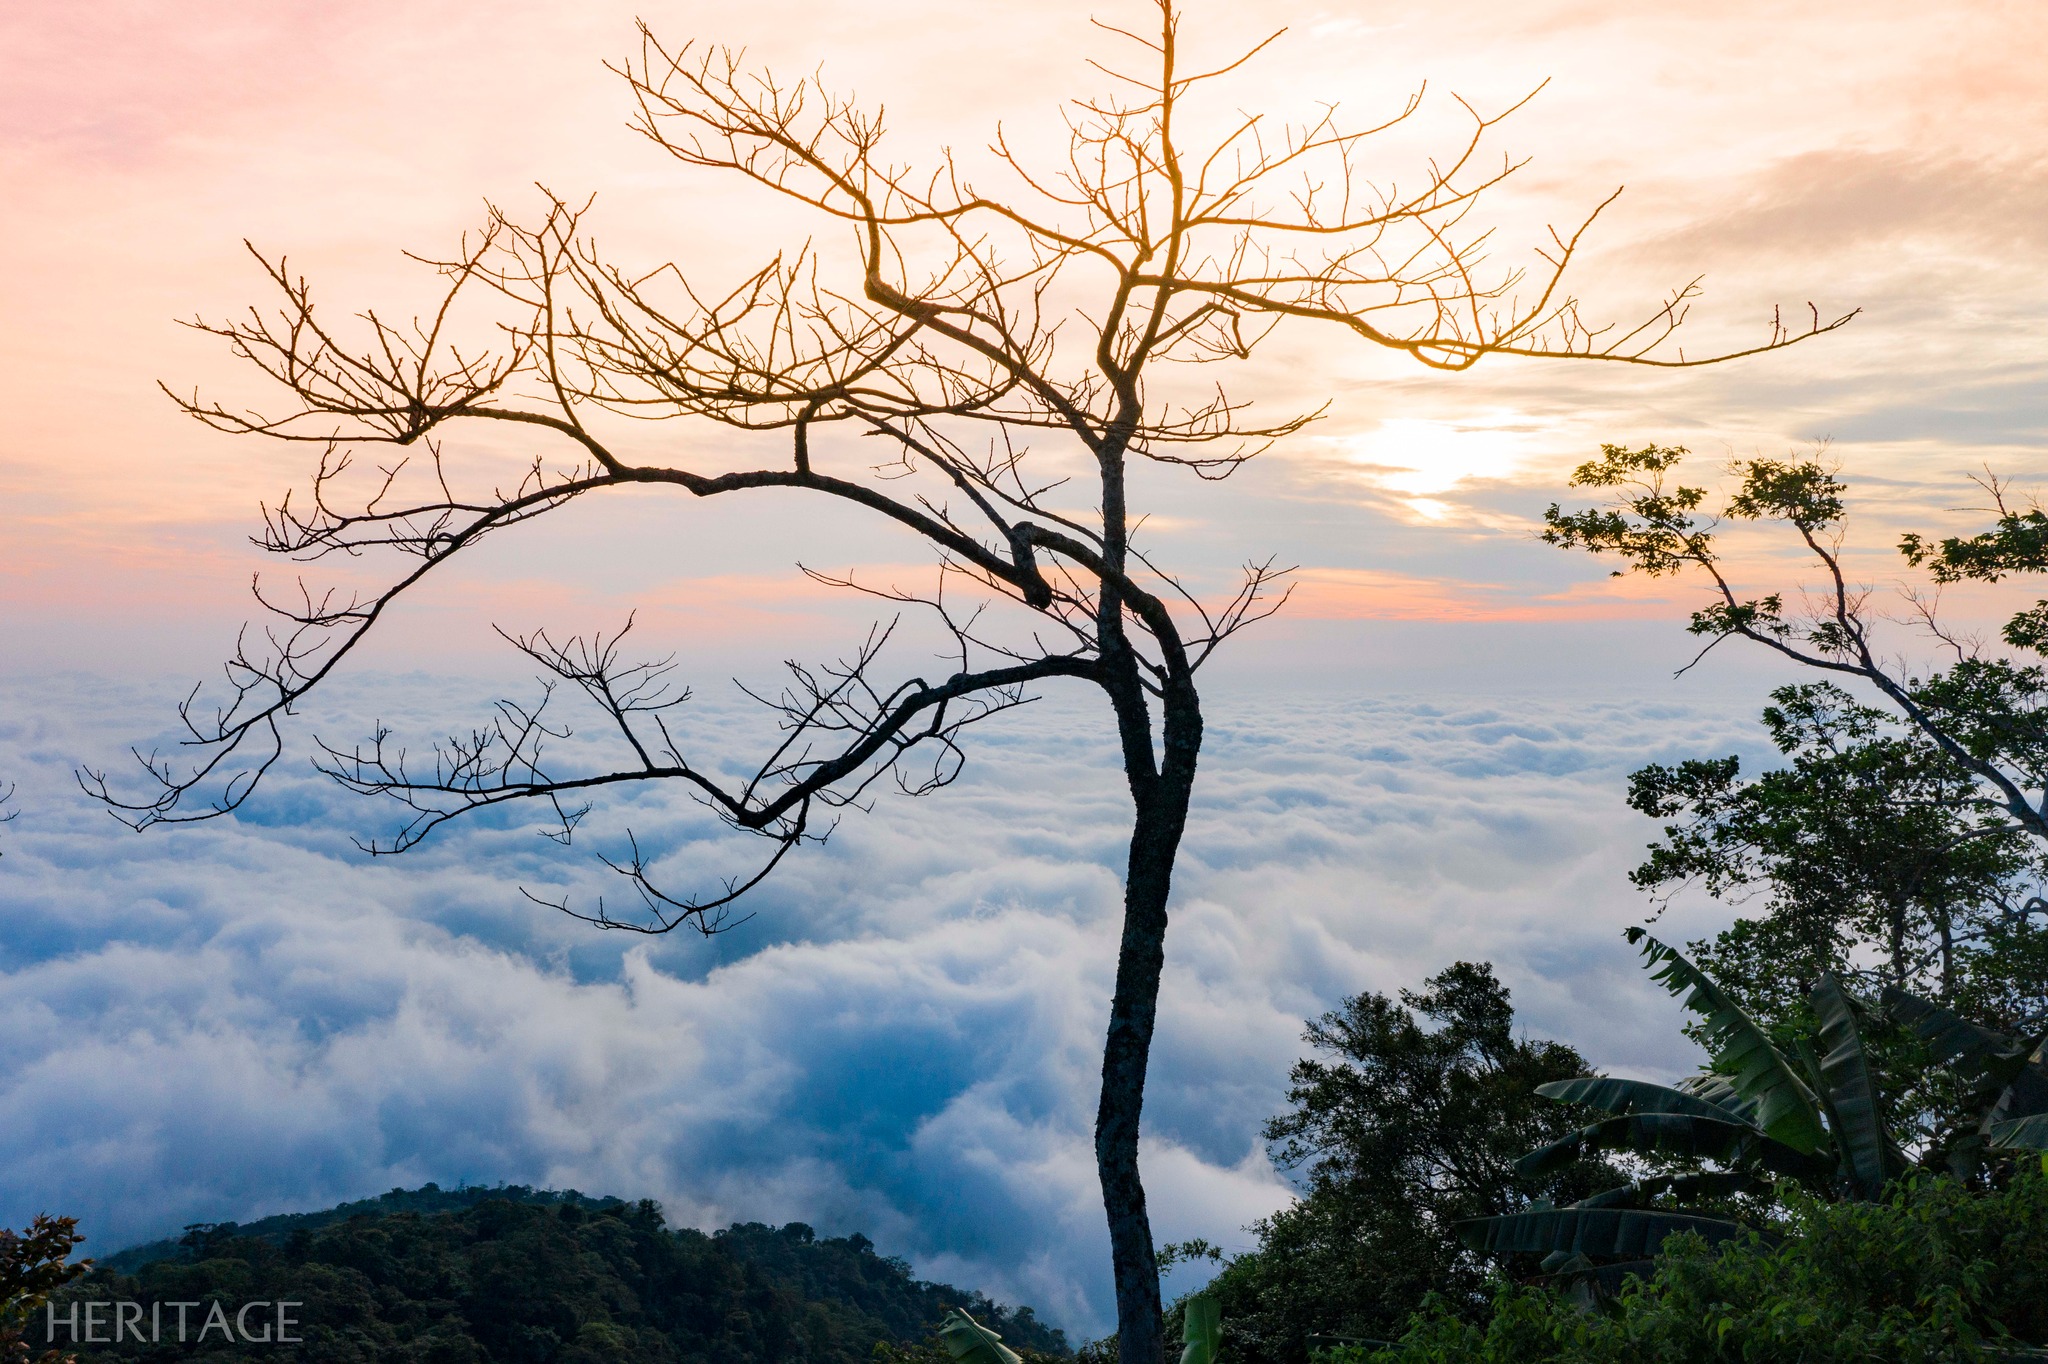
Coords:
pixel 1812 1113
pixel 969 1342
pixel 2007 1074
pixel 1201 1330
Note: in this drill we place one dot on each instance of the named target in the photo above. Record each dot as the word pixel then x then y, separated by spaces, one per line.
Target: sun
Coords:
pixel 1416 457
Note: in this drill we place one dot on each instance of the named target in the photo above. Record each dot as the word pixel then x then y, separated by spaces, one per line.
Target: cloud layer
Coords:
pixel 248 1016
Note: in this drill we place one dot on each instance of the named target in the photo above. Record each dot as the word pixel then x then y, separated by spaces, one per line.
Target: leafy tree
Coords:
pixel 1011 355
pixel 1879 864
pixel 1985 714
pixel 1932 1273
pixel 1409 1119
pixel 34 1263
pixel 1901 844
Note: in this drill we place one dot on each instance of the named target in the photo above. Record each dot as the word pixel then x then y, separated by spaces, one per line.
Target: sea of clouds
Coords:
pixel 250 1016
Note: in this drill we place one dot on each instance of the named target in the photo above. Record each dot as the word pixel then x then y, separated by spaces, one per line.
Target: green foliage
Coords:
pixel 2017 544
pixel 34 1263
pixel 2029 1133
pixel 1611 1094
pixel 1595 1232
pixel 1840 1112
pixel 1657 531
pixel 1748 1116
pixel 969 1342
pixel 1930 794
pixel 1681 1137
pixel 557 1279
pixel 1403 1129
pixel 2002 1078
pixel 1880 860
pixel 1201 1329
pixel 1848 1086
pixel 1933 1274
pixel 1785 1109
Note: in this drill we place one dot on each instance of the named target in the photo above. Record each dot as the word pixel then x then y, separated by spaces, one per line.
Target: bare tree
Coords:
pixel 988 342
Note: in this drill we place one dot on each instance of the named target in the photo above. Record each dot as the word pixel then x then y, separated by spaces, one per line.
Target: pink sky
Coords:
pixel 1889 156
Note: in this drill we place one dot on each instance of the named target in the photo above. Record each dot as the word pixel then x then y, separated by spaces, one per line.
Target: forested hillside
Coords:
pixel 521 1275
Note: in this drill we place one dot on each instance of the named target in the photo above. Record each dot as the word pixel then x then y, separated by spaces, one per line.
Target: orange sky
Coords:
pixel 1888 156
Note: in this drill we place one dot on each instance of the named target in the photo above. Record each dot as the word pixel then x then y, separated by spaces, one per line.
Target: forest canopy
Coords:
pixel 515 1274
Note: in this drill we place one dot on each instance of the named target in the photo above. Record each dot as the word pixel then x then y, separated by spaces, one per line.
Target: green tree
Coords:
pixel 1901 844
pixel 1878 863
pixel 1985 712
pixel 1409 1117
pixel 34 1263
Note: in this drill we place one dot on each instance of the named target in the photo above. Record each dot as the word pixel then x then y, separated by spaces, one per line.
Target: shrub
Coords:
pixel 1932 1274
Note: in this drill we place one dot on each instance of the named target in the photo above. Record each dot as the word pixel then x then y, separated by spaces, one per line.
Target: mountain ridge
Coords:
pixel 516 1275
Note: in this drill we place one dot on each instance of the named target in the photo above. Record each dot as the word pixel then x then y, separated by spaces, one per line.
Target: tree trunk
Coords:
pixel 1155 840
pixel 1945 925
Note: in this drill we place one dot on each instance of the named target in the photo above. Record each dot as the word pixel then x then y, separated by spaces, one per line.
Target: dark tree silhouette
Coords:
pixel 990 343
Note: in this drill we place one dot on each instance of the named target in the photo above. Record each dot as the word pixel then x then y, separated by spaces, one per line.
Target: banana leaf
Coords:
pixel 1809 1060
pixel 2026 1087
pixel 1853 1100
pixel 2012 1072
pixel 1600 1233
pixel 1613 1095
pixel 1786 1108
pixel 1626 1196
pixel 1711 1184
pixel 1676 1134
pixel 1716 1089
pixel 2029 1134
pixel 1202 1330
pixel 1578 1274
pixel 1960 1045
pixel 969 1342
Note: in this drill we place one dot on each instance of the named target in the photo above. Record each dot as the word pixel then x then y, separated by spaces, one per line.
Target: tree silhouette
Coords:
pixel 992 343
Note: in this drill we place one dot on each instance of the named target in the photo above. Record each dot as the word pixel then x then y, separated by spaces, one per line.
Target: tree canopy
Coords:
pixel 505 1276
pixel 1408 1117
pixel 1872 857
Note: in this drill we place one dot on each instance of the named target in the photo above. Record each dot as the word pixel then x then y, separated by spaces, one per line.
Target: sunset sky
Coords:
pixel 1421 759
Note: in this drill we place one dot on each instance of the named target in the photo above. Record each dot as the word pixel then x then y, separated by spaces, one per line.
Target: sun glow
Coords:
pixel 1415 457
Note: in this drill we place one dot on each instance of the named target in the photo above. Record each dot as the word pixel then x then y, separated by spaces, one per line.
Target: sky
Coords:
pixel 1422 759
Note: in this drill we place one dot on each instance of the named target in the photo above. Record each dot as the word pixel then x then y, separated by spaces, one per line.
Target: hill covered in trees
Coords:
pixel 515 1275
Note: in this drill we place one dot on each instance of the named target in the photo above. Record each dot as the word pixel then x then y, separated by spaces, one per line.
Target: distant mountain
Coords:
pixel 427 1199
pixel 523 1276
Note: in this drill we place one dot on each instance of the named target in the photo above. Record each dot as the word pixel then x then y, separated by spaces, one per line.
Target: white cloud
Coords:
pixel 243 1018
